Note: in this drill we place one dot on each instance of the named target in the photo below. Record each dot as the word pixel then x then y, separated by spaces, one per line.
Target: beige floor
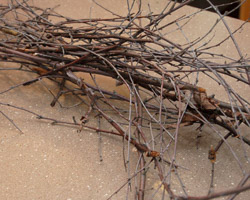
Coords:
pixel 58 162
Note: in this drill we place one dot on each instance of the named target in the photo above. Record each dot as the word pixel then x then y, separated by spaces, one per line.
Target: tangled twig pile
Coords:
pixel 154 69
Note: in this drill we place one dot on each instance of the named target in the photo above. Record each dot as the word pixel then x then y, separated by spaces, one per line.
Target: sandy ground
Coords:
pixel 58 162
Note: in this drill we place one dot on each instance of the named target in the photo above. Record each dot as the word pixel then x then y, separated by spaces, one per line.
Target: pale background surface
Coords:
pixel 56 162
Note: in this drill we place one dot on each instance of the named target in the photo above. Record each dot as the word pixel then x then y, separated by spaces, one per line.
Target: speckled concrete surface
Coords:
pixel 58 162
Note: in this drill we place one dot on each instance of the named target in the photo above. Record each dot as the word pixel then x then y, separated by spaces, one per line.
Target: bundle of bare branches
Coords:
pixel 157 73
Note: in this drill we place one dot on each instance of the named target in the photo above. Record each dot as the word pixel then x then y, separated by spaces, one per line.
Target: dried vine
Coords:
pixel 142 59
